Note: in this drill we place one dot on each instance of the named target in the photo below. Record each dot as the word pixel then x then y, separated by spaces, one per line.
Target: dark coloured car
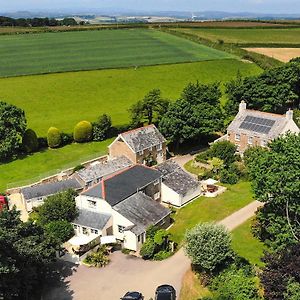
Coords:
pixel 133 296
pixel 165 292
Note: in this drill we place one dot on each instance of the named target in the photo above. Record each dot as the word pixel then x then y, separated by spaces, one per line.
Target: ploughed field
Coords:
pixel 282 54
pixel 247 35
pixel 62 100
pixel 88 50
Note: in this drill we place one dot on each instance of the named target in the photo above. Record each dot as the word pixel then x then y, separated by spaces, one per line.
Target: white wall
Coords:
pixel 191 195
pixel 130 241
pixel 292 127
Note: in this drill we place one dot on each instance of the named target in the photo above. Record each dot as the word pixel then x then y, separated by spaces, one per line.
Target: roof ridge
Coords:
pixel 136 129
pixel 118 173
pixel 265 112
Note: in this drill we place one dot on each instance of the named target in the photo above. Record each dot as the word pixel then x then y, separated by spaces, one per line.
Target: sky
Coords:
pixel 258 6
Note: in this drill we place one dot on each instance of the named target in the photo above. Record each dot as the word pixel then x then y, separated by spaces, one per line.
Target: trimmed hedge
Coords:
pixel 53 137
pixel 83 132
pixel 30 141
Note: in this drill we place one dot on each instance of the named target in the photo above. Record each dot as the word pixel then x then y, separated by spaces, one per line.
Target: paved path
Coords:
pixel 129 273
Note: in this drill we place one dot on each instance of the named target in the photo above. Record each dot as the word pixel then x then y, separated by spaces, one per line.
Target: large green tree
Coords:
pixel 26 252
pixel 59 207
pixel 275 90
pixel 196 114
pixel 101 128
pixel 148 110
pixel 12 128
pixel 209 246
pixel 275 177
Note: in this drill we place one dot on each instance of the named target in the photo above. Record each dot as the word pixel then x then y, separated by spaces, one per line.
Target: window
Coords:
pixel 156 196
pixel 92 203
pixel 121 228
pixel 75 226
pixel 95 231
pixel 250 140
pixel 159 147
pixel 140 152
pixel 264 143
pixel 156 182
pixel 84 230
pixel 237 137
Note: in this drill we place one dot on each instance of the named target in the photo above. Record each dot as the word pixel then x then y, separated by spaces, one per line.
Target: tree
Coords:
pixel 101 128
pixel 30 141
pixel 280 273
pixel 275 90
pixel 296 117
pixel 12 128
pixel 83 132
pixel 224 150
pixel 53 137
pixel 58 207
pixel 149 110
pixel 275 177
pixel 234 284
pixel 61 230
pixel 292 291
pixel 209 246
pixel 26 253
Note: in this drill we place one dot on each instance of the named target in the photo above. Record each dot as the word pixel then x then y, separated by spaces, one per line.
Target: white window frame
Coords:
pixel 94 231
pixel 121 228
pixel 250 140
pixel 140 152
pixel 238 137
pixel 159 147
pixel 156 196
pixel 85 230
pixel 156 182
pixel 92 203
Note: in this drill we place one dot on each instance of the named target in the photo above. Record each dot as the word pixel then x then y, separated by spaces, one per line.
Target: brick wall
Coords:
pixel 119 148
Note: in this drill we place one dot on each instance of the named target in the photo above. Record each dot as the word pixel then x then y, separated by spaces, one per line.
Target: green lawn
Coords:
pixel 211 209
pixel 72 51
pixel 248 35
pixel 39 165
pixel 246 245
pixel 62 100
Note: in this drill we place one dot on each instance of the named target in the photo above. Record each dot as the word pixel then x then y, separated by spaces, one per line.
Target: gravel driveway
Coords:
pixel 130 273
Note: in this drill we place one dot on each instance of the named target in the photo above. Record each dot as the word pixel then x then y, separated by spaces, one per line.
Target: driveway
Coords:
pixel 126 273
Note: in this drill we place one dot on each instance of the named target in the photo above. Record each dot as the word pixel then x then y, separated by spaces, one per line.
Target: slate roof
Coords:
pixel 143 138
pixel 48 189
pixel 120 186
pixel 101 169
pixel 176 178
pixel 91 219
pixel 277 123
pixel 142 211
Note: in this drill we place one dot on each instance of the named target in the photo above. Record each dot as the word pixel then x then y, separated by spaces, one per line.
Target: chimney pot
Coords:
pixel 242 106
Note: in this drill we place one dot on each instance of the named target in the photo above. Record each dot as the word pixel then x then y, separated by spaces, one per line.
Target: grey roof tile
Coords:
pixel 51 188
pixel 143 138
pixel 91 219
pixel 142 211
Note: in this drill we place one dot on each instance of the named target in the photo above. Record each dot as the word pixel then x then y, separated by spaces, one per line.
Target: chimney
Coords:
pixel 242 106
pixel 289 114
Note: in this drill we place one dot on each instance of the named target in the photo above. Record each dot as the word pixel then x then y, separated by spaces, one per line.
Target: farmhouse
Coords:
pixel 132 198
pixel 256 128
pixel 178 187
pixel 98 170
pixel 145 145
pixel 34 196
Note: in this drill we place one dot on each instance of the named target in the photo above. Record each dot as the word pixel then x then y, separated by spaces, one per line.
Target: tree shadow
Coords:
pixel 57 287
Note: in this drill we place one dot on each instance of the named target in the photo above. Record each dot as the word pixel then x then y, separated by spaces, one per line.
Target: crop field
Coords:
pixel 281 54
pixel 62 100
pixel 248 36
pixel 73 51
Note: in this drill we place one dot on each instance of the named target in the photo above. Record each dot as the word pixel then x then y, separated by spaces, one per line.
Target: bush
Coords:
pixel 30 141
pixel 125 251
pixel 66 139
pixel 202 157
pixel 42 141
pixel 53 137
pixel 161 255
pixel 226 176
pixel 148 249
pixel 224 150
pixel 83 132
pixel 61 230
pixel 98 259
pixel 77 168
pixel 101 128
pixel 209 246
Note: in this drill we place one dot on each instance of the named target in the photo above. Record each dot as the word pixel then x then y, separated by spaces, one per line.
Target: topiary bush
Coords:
pixel 53 137
pixel 30 141
pixel 83 132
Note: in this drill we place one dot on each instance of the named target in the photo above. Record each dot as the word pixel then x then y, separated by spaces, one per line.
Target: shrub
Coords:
pixel 101 128
pixel 148 249
pixel 209 246
pixel 42 141
pixel 224 150
pixel 66 138
pixel 226 176
pixel 83 132
pixel 161 255
pixel 30 141
pixel 202 157
pixel 53 137
pixel 61 230
pixel 77 168
pixel 125 251
pixel 98 259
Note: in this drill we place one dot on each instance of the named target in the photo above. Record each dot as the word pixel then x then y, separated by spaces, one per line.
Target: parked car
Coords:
pixel 133 296
pixel 165 292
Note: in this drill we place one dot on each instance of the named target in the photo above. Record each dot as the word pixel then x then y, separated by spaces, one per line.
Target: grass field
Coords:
pixel 48 162
pixel 248 36
pixel 211 209
pixel 246 245
pixel 72 51
pixel 62 100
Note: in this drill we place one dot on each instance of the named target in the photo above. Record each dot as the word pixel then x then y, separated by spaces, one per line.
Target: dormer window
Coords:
pixel 237 137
